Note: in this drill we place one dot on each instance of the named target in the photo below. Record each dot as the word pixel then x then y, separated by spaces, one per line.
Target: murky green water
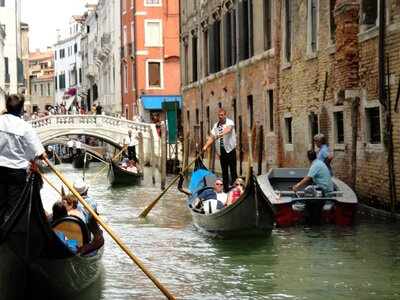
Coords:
pixel 361 261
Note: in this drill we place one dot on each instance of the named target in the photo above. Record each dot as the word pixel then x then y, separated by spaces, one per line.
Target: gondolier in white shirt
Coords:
pixel 224 135
pixel 19 145
pixel 131 141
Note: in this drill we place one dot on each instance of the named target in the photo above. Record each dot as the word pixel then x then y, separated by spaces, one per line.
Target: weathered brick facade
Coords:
pixel 315 77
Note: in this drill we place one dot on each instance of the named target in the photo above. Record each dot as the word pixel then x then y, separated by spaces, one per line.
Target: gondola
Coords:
pixel 81 160
pixel 118 175
pixel 309 205
pixel 250 215
pixel 67 159
pixel 35 262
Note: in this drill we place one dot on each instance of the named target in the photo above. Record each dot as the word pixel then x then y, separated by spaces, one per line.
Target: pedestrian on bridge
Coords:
pixel 19 145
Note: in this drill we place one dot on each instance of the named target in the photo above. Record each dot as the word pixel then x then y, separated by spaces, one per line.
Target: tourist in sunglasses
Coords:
pixel 216 194
pixel 236 192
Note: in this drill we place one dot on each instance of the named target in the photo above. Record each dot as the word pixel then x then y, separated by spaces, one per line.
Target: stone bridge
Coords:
pixel 109 129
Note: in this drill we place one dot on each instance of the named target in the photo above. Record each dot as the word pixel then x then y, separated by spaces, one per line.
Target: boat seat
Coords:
pixel 73 228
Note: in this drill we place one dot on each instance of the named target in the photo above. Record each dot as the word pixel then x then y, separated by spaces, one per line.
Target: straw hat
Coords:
pixel 80 186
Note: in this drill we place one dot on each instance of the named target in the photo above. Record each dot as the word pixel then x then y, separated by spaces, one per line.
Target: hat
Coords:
pixel 80 186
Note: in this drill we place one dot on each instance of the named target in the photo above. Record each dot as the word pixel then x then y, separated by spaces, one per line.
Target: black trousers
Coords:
pixel 228 161
pixel 132 153
pixel 12 183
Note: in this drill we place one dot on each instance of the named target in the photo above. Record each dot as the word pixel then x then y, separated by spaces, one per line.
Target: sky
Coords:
pixel 44 17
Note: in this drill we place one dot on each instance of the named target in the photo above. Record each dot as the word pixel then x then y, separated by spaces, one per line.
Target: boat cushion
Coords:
pixel 73 228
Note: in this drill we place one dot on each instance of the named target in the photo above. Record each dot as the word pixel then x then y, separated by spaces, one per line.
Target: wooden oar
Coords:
pixel 152 204
pixel 48 181
pixel 105 167
pixel 56 156
pixel 110 232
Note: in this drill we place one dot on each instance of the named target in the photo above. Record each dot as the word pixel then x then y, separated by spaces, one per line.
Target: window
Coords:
pixel 194 58
pixel 214 54
pixel 125 78
pixel 188 120
pixel 338 127
pixel 75 47
pixel 270 110
pixel 152 2
pixel 124 6
pixel 244 28
pixel 332 25
pixel 133 75
pixel 312 21
pixel 61 81
pixel 2 3
pixel 267 25
pixel 48 89
pixel 41 90
pixel 373 124
pixel 205 53
pixel 186 63
pixel 288 131
pixel 229 38
pixel 154 74
pixel 55 83
pixel 250 111
pixel 153 35
pixel 35 88
pixel 62 53
pixel 132 39
pixel 314 128
pixel 369 14
pixel 288 31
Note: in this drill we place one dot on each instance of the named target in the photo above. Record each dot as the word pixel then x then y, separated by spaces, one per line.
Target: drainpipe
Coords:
pixel 134 75
pixel 381 55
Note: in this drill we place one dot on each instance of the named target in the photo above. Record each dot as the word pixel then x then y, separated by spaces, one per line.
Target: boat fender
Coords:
pixel 212 206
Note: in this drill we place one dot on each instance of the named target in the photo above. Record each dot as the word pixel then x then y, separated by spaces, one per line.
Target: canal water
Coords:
pixel 361 261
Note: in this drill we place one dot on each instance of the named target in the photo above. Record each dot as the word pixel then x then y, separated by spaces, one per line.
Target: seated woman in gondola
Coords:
pixel 236 192
pixel 71 203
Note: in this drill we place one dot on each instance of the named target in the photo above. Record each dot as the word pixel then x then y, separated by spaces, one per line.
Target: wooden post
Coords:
pixel 260 149
pixel 354 124
pixel 186 149
pixel 163 165
pixel 153 157
pixel 141 152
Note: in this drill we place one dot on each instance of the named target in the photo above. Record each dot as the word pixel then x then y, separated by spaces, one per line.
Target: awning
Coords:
pixel 155 102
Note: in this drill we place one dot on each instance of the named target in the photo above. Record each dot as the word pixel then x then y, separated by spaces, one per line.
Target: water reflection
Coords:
pixel 361 261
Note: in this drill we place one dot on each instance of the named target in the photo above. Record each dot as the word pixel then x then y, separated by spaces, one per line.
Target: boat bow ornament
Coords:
pixel 109 129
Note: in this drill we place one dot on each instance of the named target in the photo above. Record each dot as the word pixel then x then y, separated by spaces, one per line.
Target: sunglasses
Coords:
pixel 237 184
pixel 218 183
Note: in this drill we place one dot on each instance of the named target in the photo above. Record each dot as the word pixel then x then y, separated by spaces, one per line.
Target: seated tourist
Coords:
pixel 59 211
pixel 215 194
pixel 318 174
pixel 236 192
pixel 132 167
pixel 71 203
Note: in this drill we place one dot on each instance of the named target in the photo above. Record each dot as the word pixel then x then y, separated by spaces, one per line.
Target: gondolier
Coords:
pixel 19 144
pixel 131 142
pixel 224 135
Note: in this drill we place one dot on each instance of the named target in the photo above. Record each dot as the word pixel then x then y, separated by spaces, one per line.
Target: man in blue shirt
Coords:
pixel 318 174
pixel 324 154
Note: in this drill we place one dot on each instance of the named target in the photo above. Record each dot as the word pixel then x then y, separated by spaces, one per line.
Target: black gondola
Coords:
pixel 81 160
pixel 35 263
pixel 118 175
pixel 250 215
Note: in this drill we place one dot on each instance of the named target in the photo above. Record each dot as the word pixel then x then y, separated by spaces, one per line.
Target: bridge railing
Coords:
pixel 109 129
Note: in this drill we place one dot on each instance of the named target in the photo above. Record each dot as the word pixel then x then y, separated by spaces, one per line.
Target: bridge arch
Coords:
pixel 109 129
